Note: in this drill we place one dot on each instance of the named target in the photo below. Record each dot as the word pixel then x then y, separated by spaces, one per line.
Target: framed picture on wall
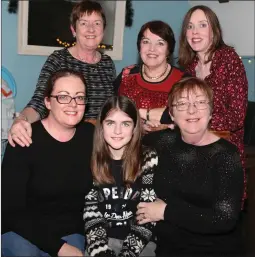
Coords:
pixel 44 26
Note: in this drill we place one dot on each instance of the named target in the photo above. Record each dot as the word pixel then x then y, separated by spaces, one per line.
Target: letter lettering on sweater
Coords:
pixel 127 214
pixel 128 193
pixel 114 193
pixel 107 192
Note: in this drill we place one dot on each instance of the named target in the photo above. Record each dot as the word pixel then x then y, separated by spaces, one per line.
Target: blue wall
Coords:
pixel 26 69
pixel 249 64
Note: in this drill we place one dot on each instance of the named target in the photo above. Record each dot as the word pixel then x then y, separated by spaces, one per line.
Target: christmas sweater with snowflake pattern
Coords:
pixel 110 210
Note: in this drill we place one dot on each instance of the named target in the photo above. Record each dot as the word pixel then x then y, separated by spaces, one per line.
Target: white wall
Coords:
pixel 237 21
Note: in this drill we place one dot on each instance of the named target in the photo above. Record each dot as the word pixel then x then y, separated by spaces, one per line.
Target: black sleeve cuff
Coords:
pixel 165 118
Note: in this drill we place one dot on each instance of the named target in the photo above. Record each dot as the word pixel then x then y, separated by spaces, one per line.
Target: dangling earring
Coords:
pixel 74 35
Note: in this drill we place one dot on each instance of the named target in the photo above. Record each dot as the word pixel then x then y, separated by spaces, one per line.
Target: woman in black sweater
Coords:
pixel 44 185
pixel 199 182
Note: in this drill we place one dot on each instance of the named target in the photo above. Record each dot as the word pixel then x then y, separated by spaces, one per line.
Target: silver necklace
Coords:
pixel 94 60
pixel 155 77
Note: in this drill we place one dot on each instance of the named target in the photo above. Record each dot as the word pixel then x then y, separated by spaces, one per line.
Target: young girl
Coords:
pixel 123 171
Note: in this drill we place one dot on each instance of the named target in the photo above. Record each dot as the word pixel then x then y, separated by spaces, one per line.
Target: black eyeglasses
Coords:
pixel 67 99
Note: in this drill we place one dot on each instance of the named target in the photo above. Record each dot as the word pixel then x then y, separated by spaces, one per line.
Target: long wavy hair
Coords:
pixel 132 156
pixel 186 53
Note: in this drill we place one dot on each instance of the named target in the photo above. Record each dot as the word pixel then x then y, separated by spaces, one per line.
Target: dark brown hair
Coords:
pixel 61 74
pixel 132 156
pixel 186 53
pixel 189 84
pixel 160 29
pixel 86 7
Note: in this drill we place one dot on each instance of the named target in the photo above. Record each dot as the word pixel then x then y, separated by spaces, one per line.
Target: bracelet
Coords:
pixel 22 116
pixel 148 114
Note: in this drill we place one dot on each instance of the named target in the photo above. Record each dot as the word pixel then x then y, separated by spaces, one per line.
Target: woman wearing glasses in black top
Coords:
pixel 199 181
pixel 44 185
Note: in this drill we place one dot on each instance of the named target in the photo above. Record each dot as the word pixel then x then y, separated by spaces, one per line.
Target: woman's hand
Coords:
pixel 154 125
pixel 151 125
pixel 150 212
pixel 20 132
pixel 69 250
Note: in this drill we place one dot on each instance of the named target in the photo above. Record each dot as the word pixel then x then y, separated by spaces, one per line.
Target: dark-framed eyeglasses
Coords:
pixel 184 106
pixel 67 99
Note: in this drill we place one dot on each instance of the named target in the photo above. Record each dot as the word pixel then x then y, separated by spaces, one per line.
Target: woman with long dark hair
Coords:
pixel 204 54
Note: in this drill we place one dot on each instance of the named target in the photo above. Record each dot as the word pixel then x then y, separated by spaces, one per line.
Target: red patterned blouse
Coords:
pixel 145 94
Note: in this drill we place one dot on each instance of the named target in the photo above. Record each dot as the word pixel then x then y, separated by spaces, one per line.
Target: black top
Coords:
pixel 119 203
pixel 203 187
pixel 44 185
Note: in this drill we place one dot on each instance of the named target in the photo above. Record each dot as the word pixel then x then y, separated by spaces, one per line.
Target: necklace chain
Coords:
pixel 156 77
pixel 94 60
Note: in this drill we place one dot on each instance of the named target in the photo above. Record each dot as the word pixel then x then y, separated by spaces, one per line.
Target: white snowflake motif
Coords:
pixel 139 246
pixel 91 236
pixel 92 195
pixel 148 195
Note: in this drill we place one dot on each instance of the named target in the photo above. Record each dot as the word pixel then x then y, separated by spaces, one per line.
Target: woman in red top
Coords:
pixel 204 54
pixel 149 83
